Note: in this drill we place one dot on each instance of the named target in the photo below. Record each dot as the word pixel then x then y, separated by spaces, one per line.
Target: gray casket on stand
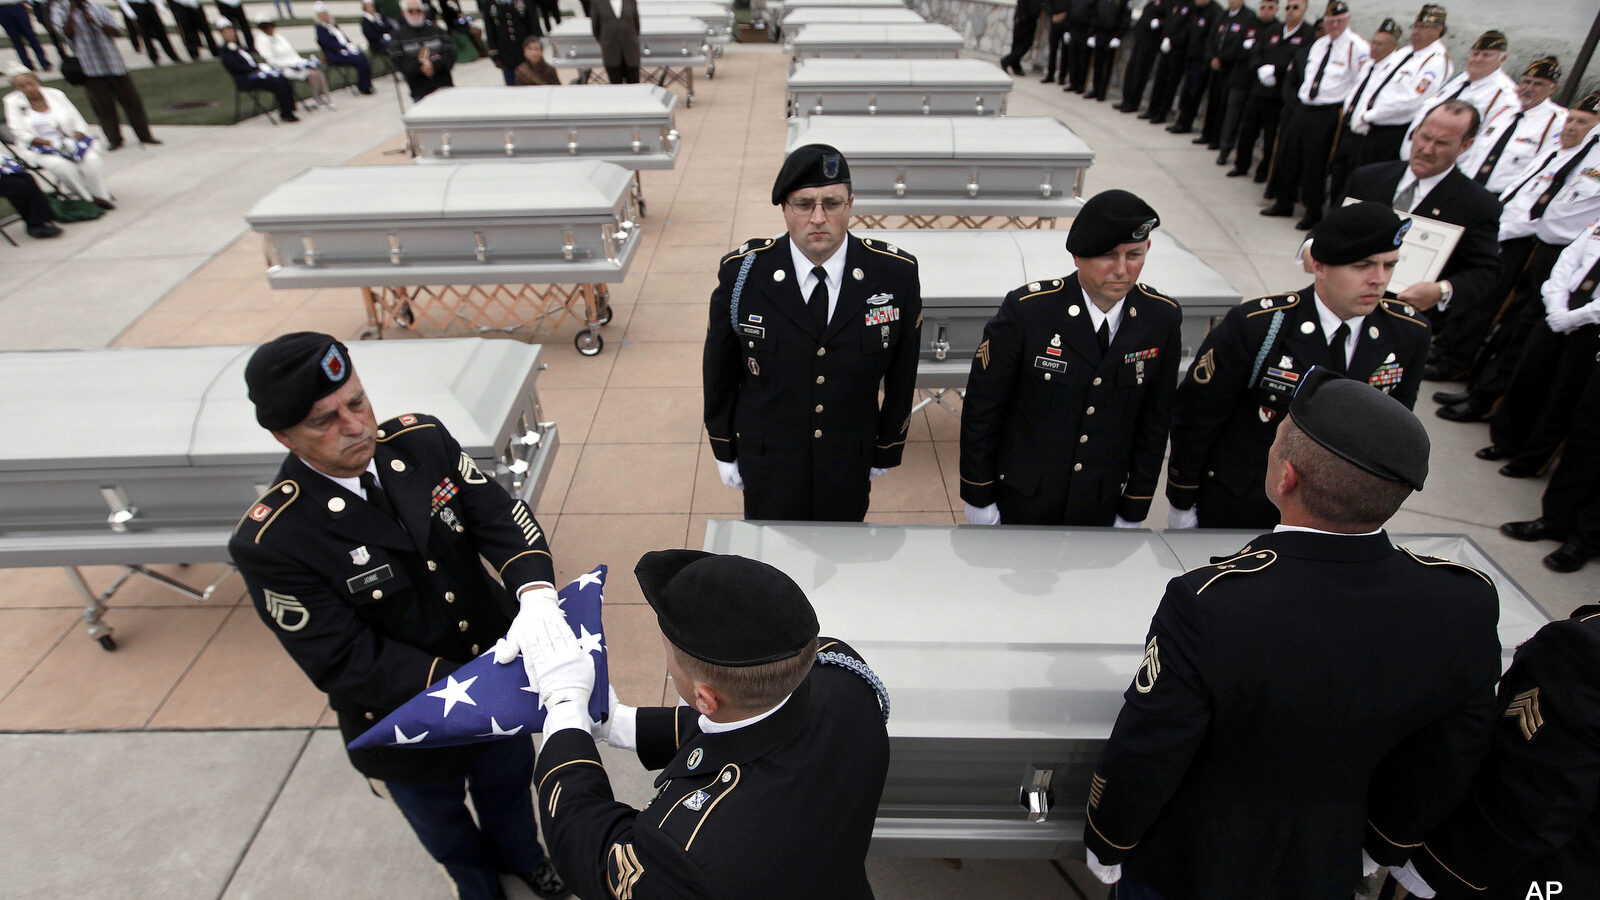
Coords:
pixel 898 87
pixel 188 458
pixel 1005 653
pixel 887 15
pixel 1024 171
pixel 484 233
pixel 716 15
pixel 774 12
pixel 924 41
pixel 669 49
pixel 631 125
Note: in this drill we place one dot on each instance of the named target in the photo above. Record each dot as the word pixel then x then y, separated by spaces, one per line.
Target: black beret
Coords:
pixel 1362 426
pixel 1107 219
pixel 1337 8
pixel 1430 14
pixel 1547 67
pixel 726 610
pixel 1491 40
pixel 1390 26
pixel 812 165
pixel 1589 104
pixel 1352 233
pixel 288 375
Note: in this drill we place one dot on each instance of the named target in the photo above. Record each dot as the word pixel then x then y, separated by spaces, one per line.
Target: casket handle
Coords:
pixel 394 248
pixel 972 184
pixel 900 183
pixel 444 145
pixel 1044 186
pixel 479 247
pixel 980 104
pixel 1035 794
pixel 308 244
pixel 123 512
pixel 572 141
pixel 569 247
pixel 637 144
pixel 925 107
pixel 872 105
pixel 511 144
pixel 816 110
pixel 941 342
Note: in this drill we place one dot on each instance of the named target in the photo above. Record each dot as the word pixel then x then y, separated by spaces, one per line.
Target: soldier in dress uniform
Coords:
pixel 365 560
pixel 1316 685
pixel 1234 396
pixel 1067 406
pixel 803 329
pixel 771 773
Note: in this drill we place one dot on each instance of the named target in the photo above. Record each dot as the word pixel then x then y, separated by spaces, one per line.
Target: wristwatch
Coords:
pixel 1445 292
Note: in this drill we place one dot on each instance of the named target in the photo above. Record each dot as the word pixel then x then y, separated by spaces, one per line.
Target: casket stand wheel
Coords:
pixel 490 307
pixel 588 342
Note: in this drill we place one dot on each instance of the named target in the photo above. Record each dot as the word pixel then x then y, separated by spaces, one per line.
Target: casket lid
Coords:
pixel 534 105
pixel 849 35
pixel 391 194
pixel 792 6
pixel 1028 138
pixel 867 74
pixel 869 15
pixel 694 9
pixel 650 26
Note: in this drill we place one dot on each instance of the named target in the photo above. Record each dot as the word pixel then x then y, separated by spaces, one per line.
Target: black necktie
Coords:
pixel 1459 90
pixel 1316 80
pixel 1499 147
pixel 1385 82
pixel 1585 291
pixel 1103 335
pixel 377 496
pixel 819 299
pixel 1560 179
pixel 1336 348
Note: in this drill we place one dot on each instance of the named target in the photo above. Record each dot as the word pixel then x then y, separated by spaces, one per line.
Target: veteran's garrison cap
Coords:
pixel 726 610
pixel 1491 40
pixel 1547 67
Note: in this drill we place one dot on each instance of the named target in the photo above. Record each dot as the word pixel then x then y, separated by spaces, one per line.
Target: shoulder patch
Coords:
pixel 1440 561
pixel 684 818
pixel 262 513
pixel 751 246
pixel 1149 291
pixel 888 249
pixel 1271 303
pixel 1243 564
pixel 393 428
pixel 1403 311
pixel 1040 288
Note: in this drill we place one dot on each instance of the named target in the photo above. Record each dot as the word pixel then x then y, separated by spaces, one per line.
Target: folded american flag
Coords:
pixel 482 701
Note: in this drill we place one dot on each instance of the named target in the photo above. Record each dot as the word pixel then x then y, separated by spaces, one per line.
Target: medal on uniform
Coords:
pixel 883 332
pixel 1266 413
pixel 448 517
pixel 1055 346
pixel 360 556
pixel 1138 372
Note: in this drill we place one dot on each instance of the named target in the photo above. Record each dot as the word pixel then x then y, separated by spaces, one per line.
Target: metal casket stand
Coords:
pixel 493 246
pixel 955 171
pixel 630 125
pixel 188 457
pixel 1005 652
pixel 898 87
pixel 669 49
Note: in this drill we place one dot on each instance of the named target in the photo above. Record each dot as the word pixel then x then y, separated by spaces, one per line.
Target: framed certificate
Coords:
pixel 1427 247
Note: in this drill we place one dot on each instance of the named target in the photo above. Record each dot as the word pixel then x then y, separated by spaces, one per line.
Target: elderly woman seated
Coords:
pixel 51 134
pixel 275 51
pixel 533 70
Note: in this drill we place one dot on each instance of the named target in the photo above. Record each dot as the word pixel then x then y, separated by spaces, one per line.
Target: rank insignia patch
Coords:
pixel 983 354
pixel 287 611
pixel 469 470
pixel 443 493
pixel 1204 367
pixel 623 870
pixel 1525 709
pixel 1145 679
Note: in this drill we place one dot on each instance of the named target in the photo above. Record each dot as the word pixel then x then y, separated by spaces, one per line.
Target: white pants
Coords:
pixel 86 178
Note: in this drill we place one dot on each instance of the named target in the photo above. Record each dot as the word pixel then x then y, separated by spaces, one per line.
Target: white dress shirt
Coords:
pixel 1537 133
pixel 1113 315
pixel 1415 78
pixel 833 265
pixel 1329 321
pixel 1342 72
pixel 1489 94
pixel 709 727
pixel 1570 268
pixel 1573 207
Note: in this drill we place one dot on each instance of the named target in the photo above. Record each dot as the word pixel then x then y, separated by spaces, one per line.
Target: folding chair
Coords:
pixel 8 144
pixel 257 107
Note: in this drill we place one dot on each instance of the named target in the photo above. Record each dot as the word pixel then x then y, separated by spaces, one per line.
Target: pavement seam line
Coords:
pixel 262 821
pixel 188 668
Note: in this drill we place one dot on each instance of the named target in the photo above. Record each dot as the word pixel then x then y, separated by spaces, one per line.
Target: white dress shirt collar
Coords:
pixel 1424 187
pixel 833 265
pixel 1329 320
pixel 353 485
pixel 1113 315
pixel 1277 529
pixel 709 727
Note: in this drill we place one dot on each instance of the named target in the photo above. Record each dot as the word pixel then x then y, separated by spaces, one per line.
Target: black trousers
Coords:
pixel 276 85
pixel 1217 103
pixel 622 74
pixel 1078 52
pixel 1105 59
pixel 1466 324
pixel 41 11
pixel 1136 76
pixel 1169 72
pixel 241 24
pixel 1346 152
pixel 193 26
pixel 1542 398
pixel 1059 54
pixel 1235 100
pixel 26 196
pixel 1382 144
pixel 1258 120
pixel 153 30
pixel 1304 145
pixel 105 93
pixel 1024 27
pixel 1196 81
pixel 1511 323
pixel 1572 499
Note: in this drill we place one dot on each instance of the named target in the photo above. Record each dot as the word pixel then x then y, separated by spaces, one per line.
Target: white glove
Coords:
pixel 1411 881
pixel 1066 37
pixel 1368 864
pixel 1359 123
pixel 1154 24
pixel 730 474
pixel 1166 45
pixel 1124 523
pixel 983 515
pixel 874 472
pixel 620 729
pixel 1115 43
pixel 1184 518
pixel 537 605
pixel 1562 321
pixel 1267 75
pixel 565 670
pixel 1249 43
pixel 1106 874
pixel 1587 314
pixel 1091 42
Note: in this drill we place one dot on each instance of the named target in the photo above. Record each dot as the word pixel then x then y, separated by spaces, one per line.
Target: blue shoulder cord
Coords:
pixel 1266 348
pixel 862 669
pixel 738 288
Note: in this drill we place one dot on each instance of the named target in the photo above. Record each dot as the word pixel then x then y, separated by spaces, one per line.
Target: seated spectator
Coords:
pixel 533 69
pixel 340 50
pixel 454 19
pixel 276 51
pixel 376 28
pixel 422 51
pixel 17 186
pixel 51 134
pixel 250 74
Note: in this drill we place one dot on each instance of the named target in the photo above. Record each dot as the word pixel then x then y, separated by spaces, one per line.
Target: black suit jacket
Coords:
pixel 618 37
pixel 377 33
pixel 405 46
pixel 375 613
pixel 243 65
pixel 799 410
pixel 1291 697
pixel 1474 267
pixel 780 809
pixel 1029 440
pixel 1222 424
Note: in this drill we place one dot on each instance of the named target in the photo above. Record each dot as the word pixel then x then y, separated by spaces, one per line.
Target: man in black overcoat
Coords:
pixel 422 51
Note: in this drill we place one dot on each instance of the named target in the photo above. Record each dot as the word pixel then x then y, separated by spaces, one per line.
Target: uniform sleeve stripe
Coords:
pixel 1453 873
pixel 1089 817
pixel 1391 841
pixel 571 762
pixel 976 483
pixel 432 667
pixel 519 556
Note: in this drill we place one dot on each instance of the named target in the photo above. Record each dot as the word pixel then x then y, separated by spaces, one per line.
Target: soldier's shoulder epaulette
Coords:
pixel 1403 311
pixel 1246 562
pixel 262 513
pixel 888 249
pixel 682 820
pixel 834 652
pixel 404 424
pixel 754 245
pixel 1441 561
pixel 1271 303
pixel 1039 289
pixel 1149 291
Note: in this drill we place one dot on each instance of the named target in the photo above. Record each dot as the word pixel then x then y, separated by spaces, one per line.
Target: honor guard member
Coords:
pixel 1234 396
pixel 1513 138
pixel 365 560
pixel 1070 395
pixel 804 328
pixel 1530 827
pixel 771 772
pixel 1316 685
pixel 1270 59
pixel 1481 83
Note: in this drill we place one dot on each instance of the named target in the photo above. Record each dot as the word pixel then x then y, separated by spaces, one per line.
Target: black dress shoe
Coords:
pixel 1236 172
pixel 1540 529
pixel 1307 222
pixel 1462 412
pixel 47 230
pixel 1074 88
pixel 1450 398
pixel 1280 209
pixel 1222 158
pixel 544 881
pixel 1261 176
pixel 288 117
pixel 1492 453
pixel 1179 128
pixel 1048 79
pixel 1202 139
pixel 1570 557
pixel 1436 372
pixel 1515 469
pixel 1098 98
pixel 1157 120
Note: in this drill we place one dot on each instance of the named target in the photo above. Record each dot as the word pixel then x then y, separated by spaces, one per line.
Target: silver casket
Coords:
pixel 677 41
pixel 466 223
pixel 852 15
pixel 955 165
pixel 1005 652
pixel 188 458
pixel 716 15
pixel 965 273
pixel 924 41
pixel 631 125
pixel 898 87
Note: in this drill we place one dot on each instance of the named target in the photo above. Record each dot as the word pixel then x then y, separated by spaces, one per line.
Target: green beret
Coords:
pixel 726 610
pixel 1352 233
pixel 286 376
pixel 1362 426
pixel 1108 219
pixel 813 165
